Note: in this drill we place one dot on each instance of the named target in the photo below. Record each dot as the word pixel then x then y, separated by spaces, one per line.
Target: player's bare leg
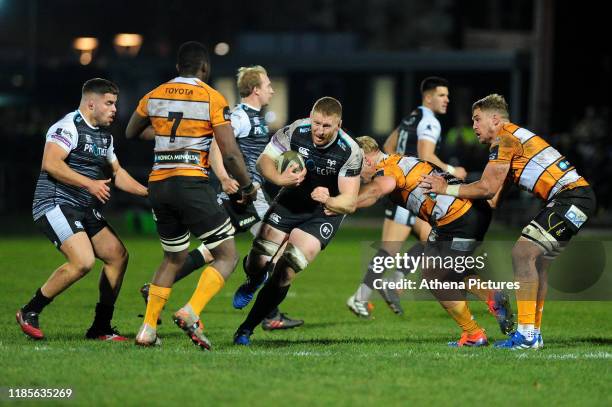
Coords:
pixel 80 255
pixel 114 255
pixel 302 248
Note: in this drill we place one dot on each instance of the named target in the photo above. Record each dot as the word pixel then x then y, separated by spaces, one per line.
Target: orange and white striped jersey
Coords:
pixel 183 113
pixel 437 210
pixel 535 165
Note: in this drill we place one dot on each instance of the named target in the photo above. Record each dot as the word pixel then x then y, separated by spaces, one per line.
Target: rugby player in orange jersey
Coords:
pixel 520 156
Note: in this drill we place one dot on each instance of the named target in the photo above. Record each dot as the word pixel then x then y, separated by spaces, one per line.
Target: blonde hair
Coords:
pixel 249 78
pixel 367 144
pixel 493 102
pixel 328 106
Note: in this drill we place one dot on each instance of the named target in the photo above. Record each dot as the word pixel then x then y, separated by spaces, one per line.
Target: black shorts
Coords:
pixel 243 217
pixel 188 204
pixel 399 214
pixel 561 219
pixel 63 221
pixel 315 222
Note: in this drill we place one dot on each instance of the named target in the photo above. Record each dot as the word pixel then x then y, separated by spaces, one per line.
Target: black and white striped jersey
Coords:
pixel 252 135
pixel 90 149
pixel 341 157
pixel 421 124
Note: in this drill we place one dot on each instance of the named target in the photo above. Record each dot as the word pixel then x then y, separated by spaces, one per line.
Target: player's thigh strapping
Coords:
pixel 188 204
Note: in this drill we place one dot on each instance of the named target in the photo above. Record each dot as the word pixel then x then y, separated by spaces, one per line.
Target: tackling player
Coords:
pixel 458 225
pixel 519 156
pixel 417 135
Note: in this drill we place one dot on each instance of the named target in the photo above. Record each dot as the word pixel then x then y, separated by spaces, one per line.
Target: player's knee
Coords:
pixel 83 264
pixel 264 247
pixel 294 258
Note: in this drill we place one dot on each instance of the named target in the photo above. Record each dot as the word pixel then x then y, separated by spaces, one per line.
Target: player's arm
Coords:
pixel 486 187
pixel 426 151
pixel 373 191
pixel 228 184
pixel 125 182
pixel 139 126
pixel 343 203
pixel 390 145
pixel 232 157
pixel 54 163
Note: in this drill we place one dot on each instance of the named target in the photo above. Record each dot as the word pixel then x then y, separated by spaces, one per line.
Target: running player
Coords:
pixel 185 114
pixel 417 135
pixel 517 155
pixel 306 213
pixel 71 188
pixel 458 225
pixel 252 135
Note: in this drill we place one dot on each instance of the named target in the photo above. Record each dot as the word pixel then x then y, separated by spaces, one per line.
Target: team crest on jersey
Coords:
pixel 576 216
pixel 88 138
pixel 275 217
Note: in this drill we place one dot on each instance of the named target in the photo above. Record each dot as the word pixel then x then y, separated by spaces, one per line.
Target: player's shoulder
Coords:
pixel 66 123
pixel 428 117
pixel 300 126
pixel 346 142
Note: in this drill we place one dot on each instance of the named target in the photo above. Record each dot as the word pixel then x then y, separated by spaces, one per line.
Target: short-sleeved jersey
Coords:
pixel 535 165
pixel 439 210
pixel 183 113
pixel 90 151
pixel 341 157
pixel 252 135
pixel 421 124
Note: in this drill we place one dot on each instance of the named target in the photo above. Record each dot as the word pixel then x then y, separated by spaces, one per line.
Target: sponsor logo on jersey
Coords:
pixel 326 230
pixel 275 217
pixel 248 220
pixel 95 150
pixel 78 224
pixel 563 165
pixel 303 151
pixel 304 129
pixel 576 216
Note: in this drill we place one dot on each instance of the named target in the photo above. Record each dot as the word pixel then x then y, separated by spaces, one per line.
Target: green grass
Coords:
pixel 335 359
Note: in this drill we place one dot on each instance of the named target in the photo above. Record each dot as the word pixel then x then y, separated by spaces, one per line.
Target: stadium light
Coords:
pixel 128 44
pixel 222 48
pixel 85 46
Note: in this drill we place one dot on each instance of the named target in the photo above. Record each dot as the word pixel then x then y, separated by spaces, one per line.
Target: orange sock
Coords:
pixel 538 313
pixel 211 282
pixel 462 315
pixel 157 299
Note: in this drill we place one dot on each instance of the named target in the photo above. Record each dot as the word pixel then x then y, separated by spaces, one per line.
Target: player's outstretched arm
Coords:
pixel 125 182
pixel 426 151
pixel 485 188
pixel 372 192
pixel 53 163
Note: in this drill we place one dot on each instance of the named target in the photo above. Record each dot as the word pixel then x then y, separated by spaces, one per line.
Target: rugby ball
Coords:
pixel 287 158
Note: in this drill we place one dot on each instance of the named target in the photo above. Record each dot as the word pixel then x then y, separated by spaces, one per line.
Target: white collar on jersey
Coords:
pixel 85 120
pixel 188 80
pixel 250 107
pixel 427 110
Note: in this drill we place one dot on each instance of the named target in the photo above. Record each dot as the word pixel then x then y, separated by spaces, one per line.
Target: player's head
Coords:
pixel 326 119
pixel 99 101
pixel 371 156
pixel 253 81
pixel 488 115
pixel 193 61
pixel 434 92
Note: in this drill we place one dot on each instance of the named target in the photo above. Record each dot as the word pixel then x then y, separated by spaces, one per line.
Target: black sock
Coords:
pixel 415 251
pixel 104 315
pixel 267 300
pixel 37 303
pixel 193 262
pixel 371 275
pixel 272 314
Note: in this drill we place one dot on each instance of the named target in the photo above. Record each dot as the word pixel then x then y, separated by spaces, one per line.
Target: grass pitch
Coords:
pixel 334 359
